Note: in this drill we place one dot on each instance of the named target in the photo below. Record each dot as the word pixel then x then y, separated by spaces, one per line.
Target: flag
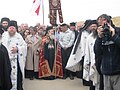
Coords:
pixel 36 7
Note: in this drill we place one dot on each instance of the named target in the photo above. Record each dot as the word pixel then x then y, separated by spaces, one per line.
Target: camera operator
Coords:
pixel 109 52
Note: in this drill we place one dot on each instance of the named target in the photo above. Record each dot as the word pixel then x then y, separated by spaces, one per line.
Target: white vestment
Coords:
pixel 15 41
pixel 74 59
pixel 89 68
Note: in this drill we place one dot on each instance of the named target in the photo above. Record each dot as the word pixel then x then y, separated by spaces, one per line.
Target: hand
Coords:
pixel 37 52
pixel 56 39
pixel 14 50
pixel 29 45
pixel 64 48
pixel 112 30
pixel 47 41
pixel 100 32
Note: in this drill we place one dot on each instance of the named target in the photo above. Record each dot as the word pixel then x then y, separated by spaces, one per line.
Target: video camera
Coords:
pixel 107 33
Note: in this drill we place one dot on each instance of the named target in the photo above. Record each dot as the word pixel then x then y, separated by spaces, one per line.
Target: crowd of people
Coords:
pixel 89 52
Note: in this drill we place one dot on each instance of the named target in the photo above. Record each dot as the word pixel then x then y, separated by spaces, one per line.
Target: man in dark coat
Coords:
pixel 5 67
pixel 107 50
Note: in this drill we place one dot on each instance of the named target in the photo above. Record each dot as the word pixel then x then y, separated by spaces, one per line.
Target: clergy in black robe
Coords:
pixel 5 67
pixel 50 66
pixel 49 54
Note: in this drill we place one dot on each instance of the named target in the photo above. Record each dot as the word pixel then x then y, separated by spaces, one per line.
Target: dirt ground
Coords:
pixel 57 84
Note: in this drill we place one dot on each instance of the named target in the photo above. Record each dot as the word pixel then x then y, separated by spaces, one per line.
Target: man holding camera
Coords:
pixel 107 46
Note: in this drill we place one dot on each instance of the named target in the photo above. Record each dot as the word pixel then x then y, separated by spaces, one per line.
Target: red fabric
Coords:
pixel 44 69
pixel 57 69
pixel 37 10
pixel 34 1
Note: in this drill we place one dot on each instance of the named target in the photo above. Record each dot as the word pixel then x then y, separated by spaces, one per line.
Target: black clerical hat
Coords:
pixel 64 24
pixel 48 28
pixel 13 23
pixel 5 19
pixel 55 25
pixel 87 24
pixel 94 22
pixel 72 24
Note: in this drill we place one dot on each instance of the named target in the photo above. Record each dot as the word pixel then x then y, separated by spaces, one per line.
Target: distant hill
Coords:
pixel 116 21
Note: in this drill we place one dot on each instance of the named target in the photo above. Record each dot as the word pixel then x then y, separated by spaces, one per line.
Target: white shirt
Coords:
pixel 66 39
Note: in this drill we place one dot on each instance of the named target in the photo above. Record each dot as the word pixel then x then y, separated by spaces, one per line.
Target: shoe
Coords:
pixel 31 78
pixel 64 77
pixel 36 77
pixel 71 77
pixel 85 83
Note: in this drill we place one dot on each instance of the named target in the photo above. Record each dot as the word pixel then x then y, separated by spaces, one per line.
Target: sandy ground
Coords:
pixel 57 84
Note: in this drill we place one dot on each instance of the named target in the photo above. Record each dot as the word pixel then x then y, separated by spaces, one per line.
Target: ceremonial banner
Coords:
pixel 54 6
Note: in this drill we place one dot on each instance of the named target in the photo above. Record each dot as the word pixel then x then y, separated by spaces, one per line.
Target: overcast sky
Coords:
pixel 73 10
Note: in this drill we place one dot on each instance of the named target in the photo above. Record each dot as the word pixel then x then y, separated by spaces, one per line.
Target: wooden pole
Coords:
pixel 43 10
pixel 55 27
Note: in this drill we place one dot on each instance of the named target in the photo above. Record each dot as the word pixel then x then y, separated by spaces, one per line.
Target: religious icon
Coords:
pixel 55 3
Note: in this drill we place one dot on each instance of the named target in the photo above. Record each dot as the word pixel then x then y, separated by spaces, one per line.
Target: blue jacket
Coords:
pixel 110 64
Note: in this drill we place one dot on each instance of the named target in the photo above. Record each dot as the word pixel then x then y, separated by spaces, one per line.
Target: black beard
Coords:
pixel 5 28
pixel 95 33
pixel 89 31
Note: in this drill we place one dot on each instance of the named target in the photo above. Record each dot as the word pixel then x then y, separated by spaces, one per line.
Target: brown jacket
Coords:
pixel 32 60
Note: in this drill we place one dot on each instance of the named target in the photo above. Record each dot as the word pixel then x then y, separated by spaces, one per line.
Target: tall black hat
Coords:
pixel 87 24
pixel 72 24
pixel 13 23
pixel 5 19
pixel 94 22
pixel 48 28
pixel 55 25
pixel 64 24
